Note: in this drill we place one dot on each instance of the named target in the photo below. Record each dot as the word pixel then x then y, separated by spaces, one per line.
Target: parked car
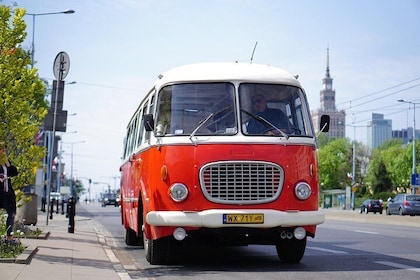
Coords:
pixel 372 205
pixel 55 196
pixel 404 204
pixel 109 199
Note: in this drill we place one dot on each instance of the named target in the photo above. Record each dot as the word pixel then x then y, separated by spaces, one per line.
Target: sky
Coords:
pixel 118 48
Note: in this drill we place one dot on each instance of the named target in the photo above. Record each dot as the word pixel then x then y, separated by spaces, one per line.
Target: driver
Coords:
pixel 274 116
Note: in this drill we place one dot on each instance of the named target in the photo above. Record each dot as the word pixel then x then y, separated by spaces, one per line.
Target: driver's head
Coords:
pixel 259 103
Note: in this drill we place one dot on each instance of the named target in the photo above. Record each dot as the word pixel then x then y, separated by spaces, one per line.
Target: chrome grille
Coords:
pixel 241 182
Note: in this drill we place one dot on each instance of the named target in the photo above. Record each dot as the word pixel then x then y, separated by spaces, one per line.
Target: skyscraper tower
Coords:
pixel 327 102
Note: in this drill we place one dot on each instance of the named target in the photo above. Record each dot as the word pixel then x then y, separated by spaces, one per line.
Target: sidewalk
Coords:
pixel 371 218
pixel 66 256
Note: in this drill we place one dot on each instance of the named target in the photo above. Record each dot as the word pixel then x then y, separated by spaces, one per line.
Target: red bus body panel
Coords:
pixel 183 162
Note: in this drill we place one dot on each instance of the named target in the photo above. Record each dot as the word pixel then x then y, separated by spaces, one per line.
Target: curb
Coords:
pixel 26 256
pixel 42 237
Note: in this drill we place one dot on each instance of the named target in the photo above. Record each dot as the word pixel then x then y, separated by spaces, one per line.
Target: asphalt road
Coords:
pixel 348 245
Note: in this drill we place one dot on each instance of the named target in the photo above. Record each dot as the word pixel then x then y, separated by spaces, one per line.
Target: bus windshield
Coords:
pixel 199 108
pixel 268 109
pixel 210 109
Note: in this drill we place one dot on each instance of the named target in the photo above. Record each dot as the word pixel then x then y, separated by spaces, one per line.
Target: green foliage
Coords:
pixel 383 181
pixel 335 164
pixel 323 140
pixel 9 249
pixel 390 167
pixel 22 93
pixel 78 188
pixel 390 144
pixel 29 231
pixel 386 171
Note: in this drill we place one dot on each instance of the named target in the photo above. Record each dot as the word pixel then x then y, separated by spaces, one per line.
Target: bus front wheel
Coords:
pixel 291 250
pixel 157 251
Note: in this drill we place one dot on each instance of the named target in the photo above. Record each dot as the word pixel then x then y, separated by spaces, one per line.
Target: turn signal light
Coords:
pixel 163 173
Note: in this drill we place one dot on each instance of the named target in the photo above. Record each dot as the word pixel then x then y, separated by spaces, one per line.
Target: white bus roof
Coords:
pixel 227 71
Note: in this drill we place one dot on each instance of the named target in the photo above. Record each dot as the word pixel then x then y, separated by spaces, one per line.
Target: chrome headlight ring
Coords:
pixel 303 191
pixel 178 192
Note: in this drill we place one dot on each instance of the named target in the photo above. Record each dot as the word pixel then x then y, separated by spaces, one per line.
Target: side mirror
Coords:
pixel 324 126
pixel 148 122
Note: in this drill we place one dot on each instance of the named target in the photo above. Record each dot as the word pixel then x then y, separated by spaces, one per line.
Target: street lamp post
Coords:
pixel 60 153
pixel 71 164
pixel 33 28
pixel 353 176
pixel 353 180
pixel 414 178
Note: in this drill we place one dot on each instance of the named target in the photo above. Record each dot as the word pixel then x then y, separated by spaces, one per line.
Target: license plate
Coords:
pixel 243 218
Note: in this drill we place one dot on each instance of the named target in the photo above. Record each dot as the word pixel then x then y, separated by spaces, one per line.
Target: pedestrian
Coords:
pixel 7 194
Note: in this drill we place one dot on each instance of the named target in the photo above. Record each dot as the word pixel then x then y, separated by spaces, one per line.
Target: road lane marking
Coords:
pixel 364 231
pixel 118 267
pixel 398 265
pixel 327 250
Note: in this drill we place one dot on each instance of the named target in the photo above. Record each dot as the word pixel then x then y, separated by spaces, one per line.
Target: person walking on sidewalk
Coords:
pixel 7 194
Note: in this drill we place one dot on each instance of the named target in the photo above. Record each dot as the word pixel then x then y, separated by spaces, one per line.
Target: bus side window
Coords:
pixel 141 130
pixel 129 145
pixel 126 143
pixel 135 132
pixel 150 111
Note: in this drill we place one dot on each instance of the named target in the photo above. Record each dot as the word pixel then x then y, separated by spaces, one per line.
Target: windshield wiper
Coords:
pixel 264 121
pixel 205 120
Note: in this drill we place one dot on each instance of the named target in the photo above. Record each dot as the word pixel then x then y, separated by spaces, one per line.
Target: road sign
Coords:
pixel 354 187
pixel 60 121
pixel 61 66
pixel 59 96
pixel 415 179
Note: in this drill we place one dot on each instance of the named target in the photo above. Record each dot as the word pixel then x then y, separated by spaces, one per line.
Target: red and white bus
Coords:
pixel 202 164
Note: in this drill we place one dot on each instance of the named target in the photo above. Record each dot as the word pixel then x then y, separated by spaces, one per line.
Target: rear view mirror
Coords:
pixel 324 126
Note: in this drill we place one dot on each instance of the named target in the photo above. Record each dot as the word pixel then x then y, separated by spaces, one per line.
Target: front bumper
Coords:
pixel 214 218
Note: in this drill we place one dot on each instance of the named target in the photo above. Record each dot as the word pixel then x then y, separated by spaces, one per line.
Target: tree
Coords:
pixel 394 157
pixel 383 182
pixel 78 187
pixel 22 99
pixel 335 164
pixel 323 140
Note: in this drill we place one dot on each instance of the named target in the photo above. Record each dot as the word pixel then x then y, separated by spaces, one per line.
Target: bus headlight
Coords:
pixel 178 192
pixel 303 190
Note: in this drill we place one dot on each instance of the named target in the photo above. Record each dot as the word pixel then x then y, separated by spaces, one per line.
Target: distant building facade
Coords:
pixel 378 131
pixel 406 135
pixel 327 102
